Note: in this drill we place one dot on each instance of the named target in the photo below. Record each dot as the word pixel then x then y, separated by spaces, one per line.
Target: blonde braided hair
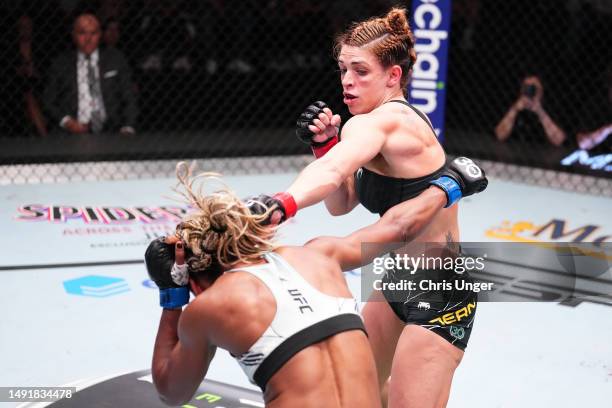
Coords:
pixel 222 230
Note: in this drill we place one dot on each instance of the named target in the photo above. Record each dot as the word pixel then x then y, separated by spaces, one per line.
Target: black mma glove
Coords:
pixel 283 202
pixel 461 178
pixel 302 131
pixel 171 279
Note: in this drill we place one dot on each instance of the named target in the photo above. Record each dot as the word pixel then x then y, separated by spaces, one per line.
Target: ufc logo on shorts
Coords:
pixel 471 168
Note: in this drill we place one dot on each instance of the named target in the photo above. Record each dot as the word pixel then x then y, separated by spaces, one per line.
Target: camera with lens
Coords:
pixel 529 90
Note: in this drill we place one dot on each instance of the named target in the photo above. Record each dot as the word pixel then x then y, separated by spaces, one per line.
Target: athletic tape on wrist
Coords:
pixel 180 274
pixel 450 187
pixel 288 203
pixel 174 298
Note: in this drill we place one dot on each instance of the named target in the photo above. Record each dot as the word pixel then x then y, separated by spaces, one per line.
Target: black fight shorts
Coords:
pixel 434 299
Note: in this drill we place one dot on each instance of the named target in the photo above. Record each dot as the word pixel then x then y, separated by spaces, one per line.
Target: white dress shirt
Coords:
pixel 87 104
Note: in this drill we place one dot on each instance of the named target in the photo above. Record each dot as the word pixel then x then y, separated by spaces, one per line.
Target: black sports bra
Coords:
pixel 378 193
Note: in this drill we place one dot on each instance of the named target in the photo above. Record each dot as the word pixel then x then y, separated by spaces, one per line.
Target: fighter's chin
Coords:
pixel 355 110
pixel 351 105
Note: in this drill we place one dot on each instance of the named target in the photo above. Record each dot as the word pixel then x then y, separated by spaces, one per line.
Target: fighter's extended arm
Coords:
pixel 400 224
pixel 363 139
pixel 405 221
pixel 325 175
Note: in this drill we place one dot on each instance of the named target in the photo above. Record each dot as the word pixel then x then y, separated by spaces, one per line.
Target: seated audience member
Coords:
pixel 29 76
pixel 168 37
pixel 111 33
pixel 90 89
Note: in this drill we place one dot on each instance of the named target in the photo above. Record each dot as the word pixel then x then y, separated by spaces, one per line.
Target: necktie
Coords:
pixel 96 98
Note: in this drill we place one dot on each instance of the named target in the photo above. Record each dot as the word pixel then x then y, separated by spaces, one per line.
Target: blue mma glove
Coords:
pixel 461 178
pixel 171 279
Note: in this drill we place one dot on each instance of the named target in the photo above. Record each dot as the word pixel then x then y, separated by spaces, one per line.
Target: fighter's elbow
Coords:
pixel 335 172
pixel 336 210
pixel 170 398
pixel 404 226
pixel 172 402
pixel 166 394
pixel 393 224
pixel 409 232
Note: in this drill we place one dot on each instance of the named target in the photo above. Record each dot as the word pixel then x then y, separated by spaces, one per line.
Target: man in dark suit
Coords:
pixel 90 89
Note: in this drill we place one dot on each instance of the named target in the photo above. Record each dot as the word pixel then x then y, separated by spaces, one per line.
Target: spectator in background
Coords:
pixel 314 23
pixel 168 36
pixel 111 33
pixel 28 77
pixel 241 19
pixel 467 13
pixel 27 43
pixel 112 10
pixel 527 119
pixel 90 89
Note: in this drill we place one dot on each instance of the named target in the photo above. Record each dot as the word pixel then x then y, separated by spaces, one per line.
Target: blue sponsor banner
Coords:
pixel 430 23
pixel 96 286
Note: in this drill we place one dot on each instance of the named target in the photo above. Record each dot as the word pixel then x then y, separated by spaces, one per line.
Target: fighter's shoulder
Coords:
pixel 292 252
pixel 314 252
pixel 228 293
pixel 375 117
pixel 221 292
pixel 368 123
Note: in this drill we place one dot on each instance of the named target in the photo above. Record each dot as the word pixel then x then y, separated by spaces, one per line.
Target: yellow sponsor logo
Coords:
pixel 555 229
pixel 456 316
pixel 521 231
pixel 552 232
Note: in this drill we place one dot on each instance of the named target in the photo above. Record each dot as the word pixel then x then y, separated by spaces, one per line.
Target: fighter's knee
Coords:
pixel 437 351
pixel 430 348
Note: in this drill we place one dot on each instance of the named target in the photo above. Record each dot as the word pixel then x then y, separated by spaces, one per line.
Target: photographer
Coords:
pixel 527 119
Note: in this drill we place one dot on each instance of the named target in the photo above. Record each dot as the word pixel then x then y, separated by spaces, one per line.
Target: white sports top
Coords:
pixel 304 316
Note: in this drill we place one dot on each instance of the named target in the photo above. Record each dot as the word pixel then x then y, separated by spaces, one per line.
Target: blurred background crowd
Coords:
pixel 528 82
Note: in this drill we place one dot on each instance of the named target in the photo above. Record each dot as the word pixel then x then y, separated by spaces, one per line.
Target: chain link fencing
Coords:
pixel 213 79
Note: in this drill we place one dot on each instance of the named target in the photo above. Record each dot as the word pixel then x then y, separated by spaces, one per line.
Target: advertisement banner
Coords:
pixel 430 23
